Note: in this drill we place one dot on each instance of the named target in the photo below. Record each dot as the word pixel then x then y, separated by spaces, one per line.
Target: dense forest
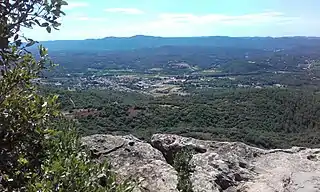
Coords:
pixel 268 118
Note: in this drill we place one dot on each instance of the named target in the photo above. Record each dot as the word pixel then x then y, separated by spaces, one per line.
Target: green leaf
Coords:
pixel 56 12
pixel 37 22
pixel 44 24
pixel 30 43
pixel 63 3
pixel 23 161
pixel 55 97
pixel 16 37
pixel 63 13
pixel 42 51
pixel 49 29
pixel 56 24
pixel 18 43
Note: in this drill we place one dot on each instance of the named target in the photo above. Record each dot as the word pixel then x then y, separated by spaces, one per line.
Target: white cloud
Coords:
pixel 84 18
pixel 81 17
pixel 173 24
pixel 72 5
pixel 131 11
pixel 246 19
pixel 268 23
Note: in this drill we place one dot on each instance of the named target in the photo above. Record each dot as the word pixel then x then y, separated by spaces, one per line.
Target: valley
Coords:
pixel 169 96
pixel 268 98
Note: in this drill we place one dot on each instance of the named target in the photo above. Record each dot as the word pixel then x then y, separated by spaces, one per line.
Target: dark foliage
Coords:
pixel 182 166
pixel 268 118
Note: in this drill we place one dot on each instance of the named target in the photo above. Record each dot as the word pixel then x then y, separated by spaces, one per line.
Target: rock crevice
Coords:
pixel 216 166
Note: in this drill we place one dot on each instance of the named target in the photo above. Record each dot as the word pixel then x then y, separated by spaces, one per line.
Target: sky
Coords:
pixel 92 19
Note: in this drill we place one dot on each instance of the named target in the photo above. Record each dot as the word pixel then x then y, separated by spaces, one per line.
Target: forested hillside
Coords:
pixel 262 91
pixel 269 118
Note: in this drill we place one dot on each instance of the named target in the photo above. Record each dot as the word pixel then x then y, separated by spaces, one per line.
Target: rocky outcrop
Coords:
pixel 216 166
pixel 135 159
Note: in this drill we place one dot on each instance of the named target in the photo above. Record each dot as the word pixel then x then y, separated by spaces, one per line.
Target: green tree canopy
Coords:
pixel 39 151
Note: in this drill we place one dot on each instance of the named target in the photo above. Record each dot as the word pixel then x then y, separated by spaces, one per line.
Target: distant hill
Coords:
pixel 140 41
pixel 226 54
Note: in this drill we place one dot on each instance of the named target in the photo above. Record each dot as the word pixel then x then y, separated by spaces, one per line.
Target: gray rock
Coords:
pixel 233 166
pixel 135 159
pixel 287 170
pixel 216 166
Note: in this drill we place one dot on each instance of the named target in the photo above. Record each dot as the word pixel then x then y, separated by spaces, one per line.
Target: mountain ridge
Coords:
pixel 142 41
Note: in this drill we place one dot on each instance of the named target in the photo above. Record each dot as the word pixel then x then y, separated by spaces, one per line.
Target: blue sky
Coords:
pixel 101 18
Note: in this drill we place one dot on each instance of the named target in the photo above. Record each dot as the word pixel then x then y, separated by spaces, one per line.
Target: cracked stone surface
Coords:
pixel 236 167
pixel 136 159
pixel 217 166
pixel 284 171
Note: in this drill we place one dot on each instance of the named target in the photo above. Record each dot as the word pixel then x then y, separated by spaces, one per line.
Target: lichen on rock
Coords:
pixel 216 166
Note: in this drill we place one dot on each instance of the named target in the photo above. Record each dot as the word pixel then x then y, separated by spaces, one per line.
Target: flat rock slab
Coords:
pixel 237 167
pixel 216 166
